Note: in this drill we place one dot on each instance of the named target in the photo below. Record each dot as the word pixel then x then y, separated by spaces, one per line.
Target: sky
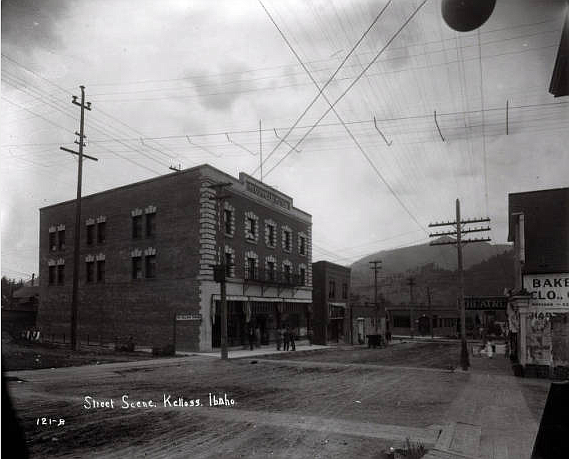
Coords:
pixel 182 83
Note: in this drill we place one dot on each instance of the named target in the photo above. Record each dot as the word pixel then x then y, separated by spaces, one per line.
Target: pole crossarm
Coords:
pixel 481 239
pixel 453 233
pixel 76 153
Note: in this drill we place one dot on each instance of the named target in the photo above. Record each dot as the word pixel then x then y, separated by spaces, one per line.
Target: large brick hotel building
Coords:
pixel 147 251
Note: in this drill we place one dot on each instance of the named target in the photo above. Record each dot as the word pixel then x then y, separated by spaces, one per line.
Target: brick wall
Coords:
pixel 122 306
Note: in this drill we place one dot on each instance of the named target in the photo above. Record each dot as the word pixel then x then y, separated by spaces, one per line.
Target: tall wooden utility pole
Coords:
pixel 459 242
pixel 411 284
pixel 374 266
pixel 261 150
pixel 220 270
pixel 76 259
pixel 430 311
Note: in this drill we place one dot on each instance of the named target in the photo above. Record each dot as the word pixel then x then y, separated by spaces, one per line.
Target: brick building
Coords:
pixel 147 251
pixel 331 304
pixel 538 306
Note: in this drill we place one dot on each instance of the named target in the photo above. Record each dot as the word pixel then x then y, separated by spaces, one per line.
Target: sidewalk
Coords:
pixel 491 418
pixel 263 350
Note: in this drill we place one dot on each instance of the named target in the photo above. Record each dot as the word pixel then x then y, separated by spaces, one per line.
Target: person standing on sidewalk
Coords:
pixel 279 336
pixel 291 339
pixel 251 336
pixel 286 337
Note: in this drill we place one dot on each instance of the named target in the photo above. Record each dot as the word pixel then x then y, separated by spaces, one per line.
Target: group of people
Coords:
pixel 285 337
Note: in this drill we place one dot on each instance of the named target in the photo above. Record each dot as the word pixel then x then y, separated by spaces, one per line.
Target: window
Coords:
pixel 251 228
pixel 52 274
pixel 90 270
pixel 251 268
pixel 61 239
pixel 150 266
pixel 344 291
pixel 60 274
pixel 100 270
pixel 227 218
pixel 332 289
pixel 150 225
pixel 52 246
pixel 228 264
pixel 90 234
pixel 271 235
pixel 136 226
pixel 302 275
pixel 286 273
pixel 302 245
pixel 101 232
pixel 137 267
pixel 287 239
pixel 271 270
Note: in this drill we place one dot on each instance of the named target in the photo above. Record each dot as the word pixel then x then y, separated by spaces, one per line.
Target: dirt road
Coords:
pixel 281 409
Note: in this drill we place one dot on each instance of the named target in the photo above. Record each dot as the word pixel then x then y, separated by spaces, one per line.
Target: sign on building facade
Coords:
pixel 548 291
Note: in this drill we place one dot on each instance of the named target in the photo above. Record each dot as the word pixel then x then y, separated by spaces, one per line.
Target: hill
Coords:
pixel 488 271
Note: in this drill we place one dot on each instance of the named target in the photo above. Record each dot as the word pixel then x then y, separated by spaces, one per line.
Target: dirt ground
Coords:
pixel 293 406
pixel 23 355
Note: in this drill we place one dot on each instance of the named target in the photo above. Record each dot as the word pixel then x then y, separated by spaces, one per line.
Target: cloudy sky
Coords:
pixel 188 82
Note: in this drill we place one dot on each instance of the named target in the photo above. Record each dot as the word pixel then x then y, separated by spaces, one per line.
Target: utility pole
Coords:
pixel 220 270
pixel 411 284
pixel 459 242
pixel 375 267
pixel 430 311
pixel 261 149
pixel 76 259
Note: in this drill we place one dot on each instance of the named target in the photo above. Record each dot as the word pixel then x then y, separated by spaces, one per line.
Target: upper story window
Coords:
pixel 150 262
pixel 271 268
pixel 229 262
pixel 52 240
pixel 150 225
pixel 90 270
pixel 137 267
pixel 229 219
pixel 251 227
pixel 136 257
pixel 287 239
pixel 61 274
pixel 287 272
pixel 61 239
pixel 150 213
pixel 251 267
pixel 302 242
pixel 90 234
pixel 100 270
pixel 332 289
pixel 137 226
pixel 302 274
pixel 270 233
pixel 101 232
pixel 344 291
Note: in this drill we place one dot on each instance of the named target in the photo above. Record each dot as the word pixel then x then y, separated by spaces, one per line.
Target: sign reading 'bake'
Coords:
pixel 548 290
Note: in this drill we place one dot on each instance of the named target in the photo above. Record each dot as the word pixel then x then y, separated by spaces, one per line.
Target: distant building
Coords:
pixel 147 255
pixel 331 303
pixel 538 307
pixel 20 313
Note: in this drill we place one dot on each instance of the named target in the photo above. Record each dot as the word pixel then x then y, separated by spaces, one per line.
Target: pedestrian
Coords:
pixel 286 337
pixel 258 336
pixel 291 339
pixel 251 336
pixel 279 336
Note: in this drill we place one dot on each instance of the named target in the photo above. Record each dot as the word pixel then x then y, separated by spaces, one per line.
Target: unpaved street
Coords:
pixel 285 407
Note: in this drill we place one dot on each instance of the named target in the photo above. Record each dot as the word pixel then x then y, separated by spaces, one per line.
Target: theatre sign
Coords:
pixel 548 291
pixel 485 303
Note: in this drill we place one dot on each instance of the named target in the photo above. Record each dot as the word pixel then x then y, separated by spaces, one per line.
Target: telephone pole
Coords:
pixel 375 266
pixel 459 242
pixel 411 284
pixel 220 270
pixel 430 311
pixel 76 259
